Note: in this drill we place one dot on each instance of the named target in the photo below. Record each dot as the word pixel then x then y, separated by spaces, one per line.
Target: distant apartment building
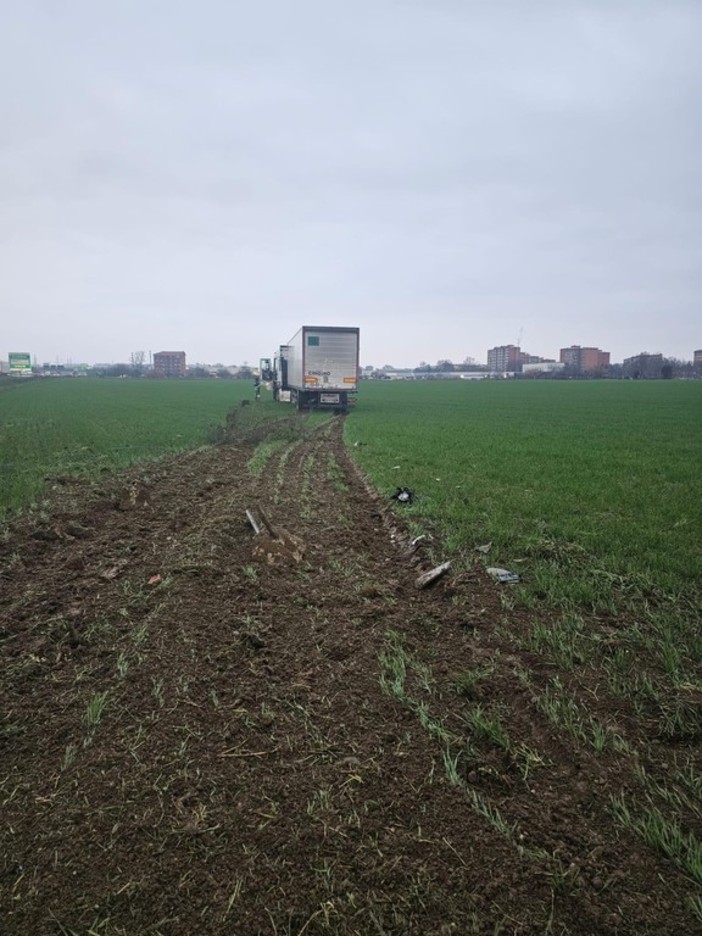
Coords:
pixel 697 359
pixel 584 360
pixel 511 358
pixel 504 358
pixel 643 365
pixel 169 364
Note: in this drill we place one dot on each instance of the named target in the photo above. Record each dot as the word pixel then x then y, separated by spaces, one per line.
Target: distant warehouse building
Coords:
pixel 584 360
pixel 543 367
pixel 169 364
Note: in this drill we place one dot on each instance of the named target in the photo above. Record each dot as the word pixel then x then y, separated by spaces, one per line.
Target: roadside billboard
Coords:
pixel 20 363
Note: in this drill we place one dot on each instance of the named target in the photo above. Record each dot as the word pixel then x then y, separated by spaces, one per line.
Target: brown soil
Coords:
pixel 248 772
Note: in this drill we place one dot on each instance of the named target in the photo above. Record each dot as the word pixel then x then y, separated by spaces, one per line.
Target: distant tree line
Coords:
pixel 198 371
pixel 643 367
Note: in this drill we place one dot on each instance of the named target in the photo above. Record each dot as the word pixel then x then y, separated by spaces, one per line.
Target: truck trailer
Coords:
pixel 318 368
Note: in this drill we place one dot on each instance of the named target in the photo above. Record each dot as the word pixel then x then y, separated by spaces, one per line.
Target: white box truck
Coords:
pixel 318 368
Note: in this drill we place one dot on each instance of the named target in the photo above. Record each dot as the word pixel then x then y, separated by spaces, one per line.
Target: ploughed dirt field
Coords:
pixel 206 730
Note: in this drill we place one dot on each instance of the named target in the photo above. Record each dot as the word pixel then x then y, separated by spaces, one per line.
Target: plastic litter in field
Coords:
pixel 503 576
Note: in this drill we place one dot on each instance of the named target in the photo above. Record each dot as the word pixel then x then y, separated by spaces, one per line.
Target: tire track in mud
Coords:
pixel 363 782
pixel 248 771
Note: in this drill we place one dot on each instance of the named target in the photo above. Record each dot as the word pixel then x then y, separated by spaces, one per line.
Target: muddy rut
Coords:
pixel 207 731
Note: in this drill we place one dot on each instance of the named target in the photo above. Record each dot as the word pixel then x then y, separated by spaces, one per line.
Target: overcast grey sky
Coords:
pixel 447 174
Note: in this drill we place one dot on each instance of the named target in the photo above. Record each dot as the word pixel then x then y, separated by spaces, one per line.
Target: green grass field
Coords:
pixel 79 426
pixel 607 471
pixel 601 476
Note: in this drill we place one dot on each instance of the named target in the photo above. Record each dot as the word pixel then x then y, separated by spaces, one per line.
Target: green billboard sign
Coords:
pixel 20 363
